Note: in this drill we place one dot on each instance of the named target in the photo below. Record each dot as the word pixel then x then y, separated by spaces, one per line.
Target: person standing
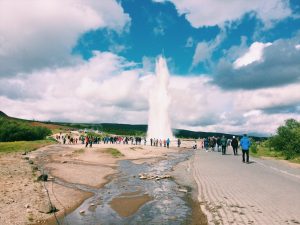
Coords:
pixel 223 143
pixel 206 144
pixel 235 145
pixel 168 142
pixel 178 143
pixel 245 145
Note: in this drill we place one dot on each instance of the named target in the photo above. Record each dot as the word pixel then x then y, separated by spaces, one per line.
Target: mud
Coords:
pixel 128 204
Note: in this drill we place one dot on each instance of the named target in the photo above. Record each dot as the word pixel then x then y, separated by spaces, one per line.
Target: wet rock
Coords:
pixel 144 176
pixel 183 190
pixel 50 178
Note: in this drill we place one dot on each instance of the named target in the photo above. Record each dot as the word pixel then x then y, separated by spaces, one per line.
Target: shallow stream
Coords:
pixel 129 200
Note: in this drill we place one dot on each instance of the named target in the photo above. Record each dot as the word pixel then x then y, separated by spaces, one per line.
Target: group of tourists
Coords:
pixel 160 142
pixel 66 139
pixel 219 144
pixel 222 143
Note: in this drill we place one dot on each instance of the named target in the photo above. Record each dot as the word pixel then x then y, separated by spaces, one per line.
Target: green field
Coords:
pixel 23 146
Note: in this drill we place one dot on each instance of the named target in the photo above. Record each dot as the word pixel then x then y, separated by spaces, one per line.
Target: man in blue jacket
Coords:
pixel 245 145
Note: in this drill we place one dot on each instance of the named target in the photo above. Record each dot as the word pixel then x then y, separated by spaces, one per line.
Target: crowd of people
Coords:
pixel 219 144
pixel 222 143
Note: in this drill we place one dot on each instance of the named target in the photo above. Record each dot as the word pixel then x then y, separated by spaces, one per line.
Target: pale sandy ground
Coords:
pixel 230 192
pixel 24 201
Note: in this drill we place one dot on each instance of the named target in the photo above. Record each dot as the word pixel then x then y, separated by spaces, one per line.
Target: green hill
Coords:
pixel 120 129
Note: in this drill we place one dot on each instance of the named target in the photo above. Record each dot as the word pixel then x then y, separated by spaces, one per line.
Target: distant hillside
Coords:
pixel 2 114
pixel 141 130
pixel 123 129
pixel 52 126
pixel 18 130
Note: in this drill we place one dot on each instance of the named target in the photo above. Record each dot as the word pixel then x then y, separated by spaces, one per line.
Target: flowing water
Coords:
pixel 130 200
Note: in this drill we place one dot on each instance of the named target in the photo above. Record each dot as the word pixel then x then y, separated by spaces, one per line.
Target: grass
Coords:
pixel 23 146
pixel 263 151
pixel 114 152
pixel 79 151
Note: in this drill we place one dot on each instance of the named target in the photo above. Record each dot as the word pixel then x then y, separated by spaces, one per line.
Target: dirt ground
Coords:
pixel 24 200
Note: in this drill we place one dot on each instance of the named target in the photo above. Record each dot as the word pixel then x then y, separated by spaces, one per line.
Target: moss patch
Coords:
pixel 114 152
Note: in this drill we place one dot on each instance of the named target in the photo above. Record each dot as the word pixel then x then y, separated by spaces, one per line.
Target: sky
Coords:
pixel 234 65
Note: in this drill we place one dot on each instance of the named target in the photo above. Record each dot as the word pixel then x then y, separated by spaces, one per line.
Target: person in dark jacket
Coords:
pixel 223 143
pixel 245 145
pixel 235 145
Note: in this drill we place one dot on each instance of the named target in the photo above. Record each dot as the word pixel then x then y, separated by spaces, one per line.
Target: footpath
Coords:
pixel 231 192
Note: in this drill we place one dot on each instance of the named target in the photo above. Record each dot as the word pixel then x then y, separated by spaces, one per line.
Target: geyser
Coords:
pixel 159 125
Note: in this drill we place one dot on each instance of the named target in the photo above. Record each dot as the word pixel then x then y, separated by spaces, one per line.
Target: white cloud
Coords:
pixel 37 34
pixel 297 47
pixel 255 53
pixel 107 88
pixel 204 50
pixel 216 12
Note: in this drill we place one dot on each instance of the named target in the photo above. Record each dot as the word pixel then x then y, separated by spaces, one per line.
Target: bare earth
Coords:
pixel 231 192
pixel 24 200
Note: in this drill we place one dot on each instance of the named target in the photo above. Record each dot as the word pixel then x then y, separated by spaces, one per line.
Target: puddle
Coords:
pixel 130 200
pixel 128 204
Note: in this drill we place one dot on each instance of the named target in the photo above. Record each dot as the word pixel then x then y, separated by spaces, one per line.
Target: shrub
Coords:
pixel 287 139
pixel 253 147
pixel 12 130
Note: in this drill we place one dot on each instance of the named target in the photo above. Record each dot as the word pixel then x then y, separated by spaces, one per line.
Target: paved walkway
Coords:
pixel 231 192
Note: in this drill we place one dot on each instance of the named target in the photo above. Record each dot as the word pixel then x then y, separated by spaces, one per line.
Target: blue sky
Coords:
pixel 157 28
pixel 234 65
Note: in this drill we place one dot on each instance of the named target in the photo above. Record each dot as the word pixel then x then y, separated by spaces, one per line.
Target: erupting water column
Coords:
pixel 159 125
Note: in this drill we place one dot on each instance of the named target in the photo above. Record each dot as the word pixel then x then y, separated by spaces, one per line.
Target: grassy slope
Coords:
pixel 266 152
pixel 27 146
pixel 23 146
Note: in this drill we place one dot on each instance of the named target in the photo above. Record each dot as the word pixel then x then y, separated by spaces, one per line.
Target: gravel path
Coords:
pixel 231 192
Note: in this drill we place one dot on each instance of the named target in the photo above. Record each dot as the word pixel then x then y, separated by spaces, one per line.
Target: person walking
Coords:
pixel 234 145
pixel 223 143
pixel 245 145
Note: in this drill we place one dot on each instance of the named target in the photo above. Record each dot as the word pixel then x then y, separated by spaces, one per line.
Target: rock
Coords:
pixel 92 204
pixel 182 190
pixel 81 211
pixel 143 177
pixel 27 206
pixel 43 177
pixel 30 161
pixel 29 211
pixel 64 162
pixel 50 178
